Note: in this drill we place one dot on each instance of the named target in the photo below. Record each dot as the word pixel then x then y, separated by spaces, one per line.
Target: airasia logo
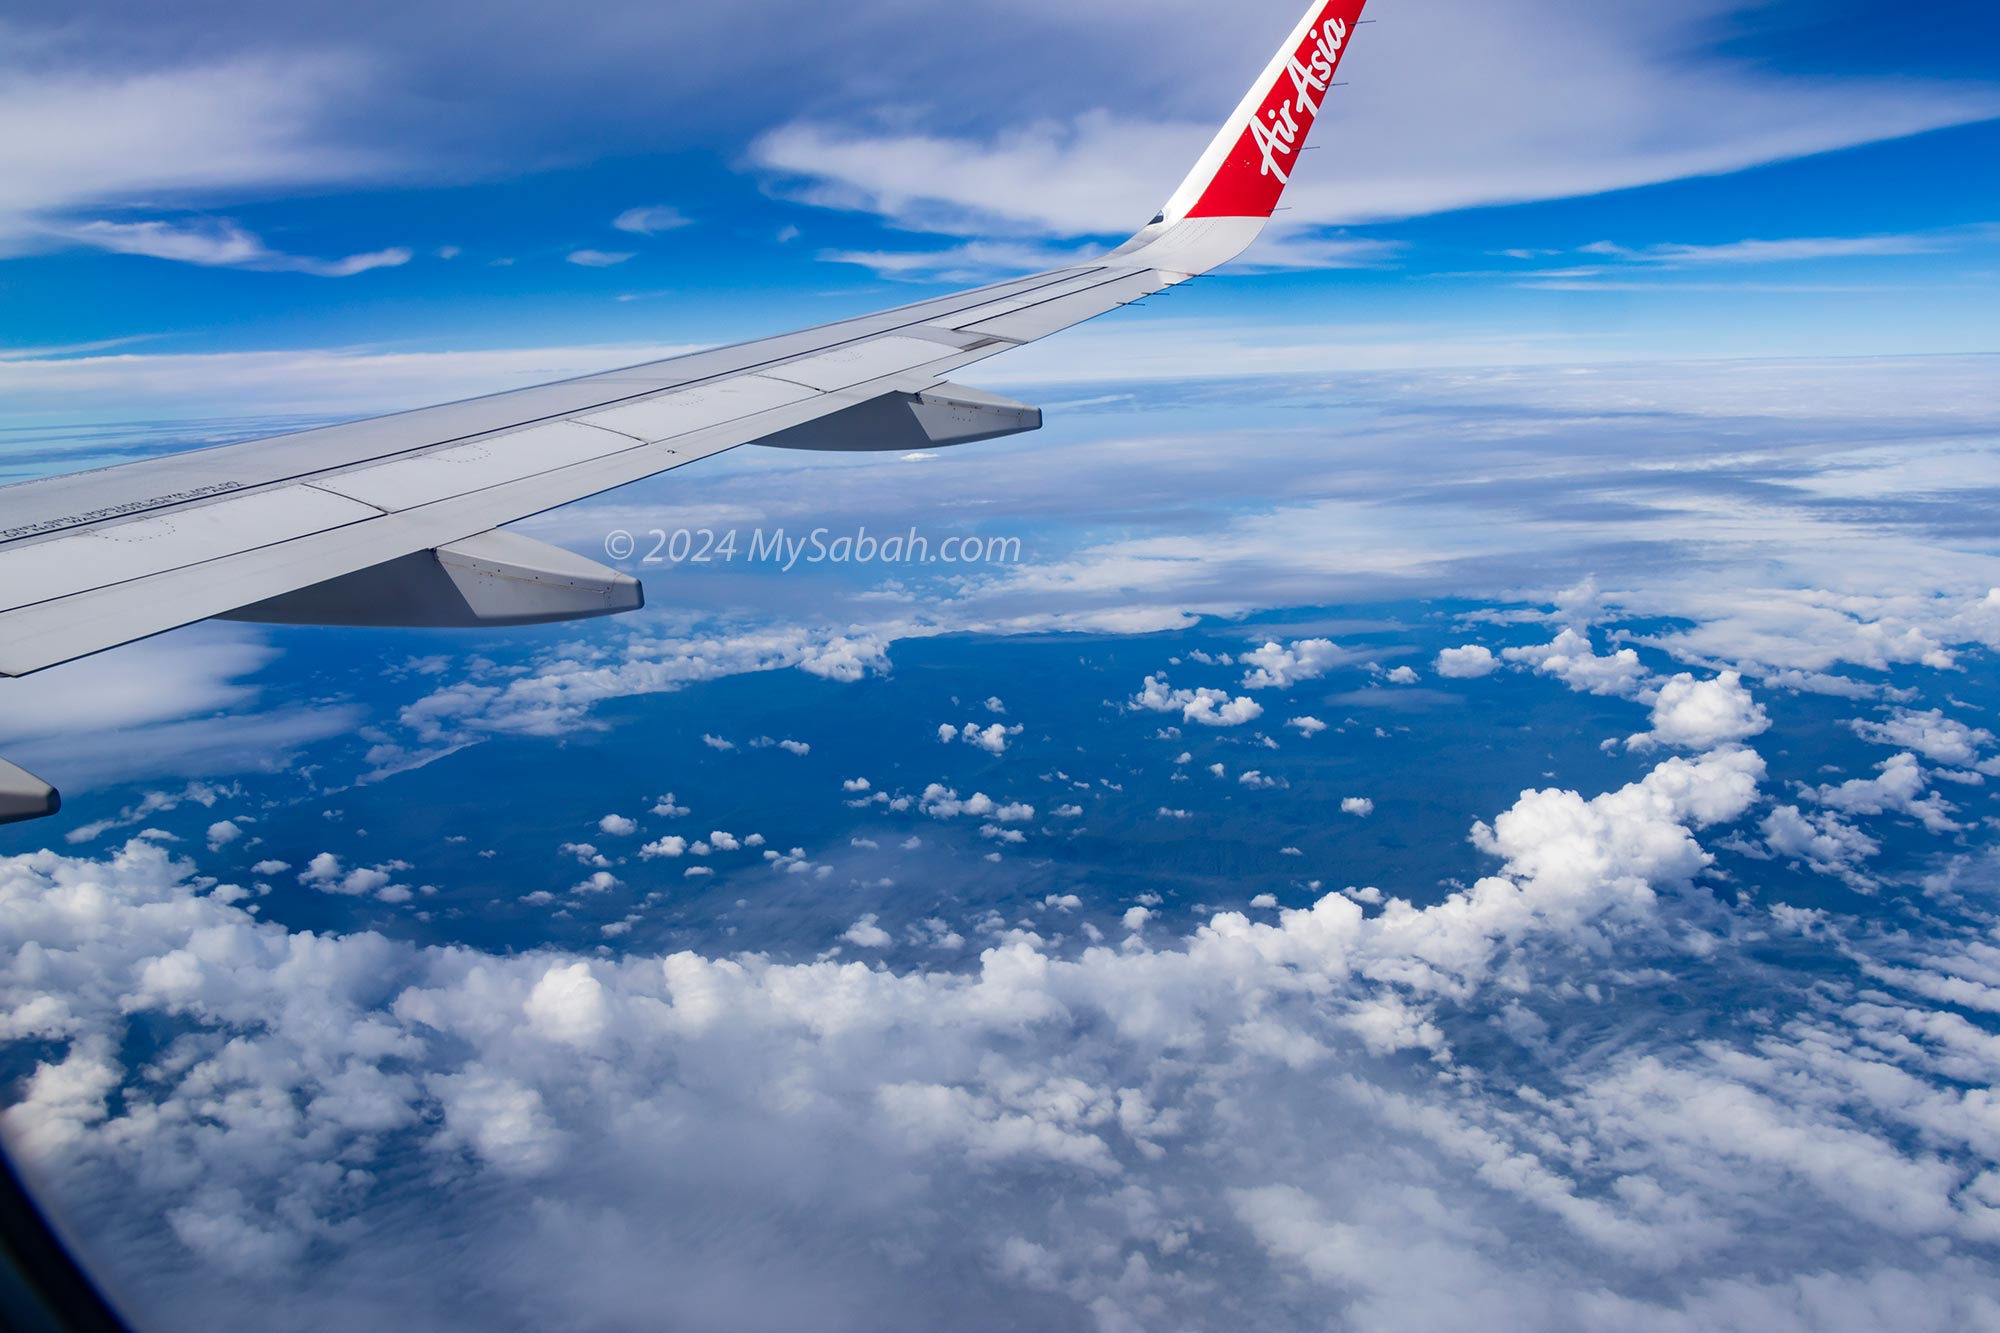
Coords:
pixel 1258 165
pixel 1278 131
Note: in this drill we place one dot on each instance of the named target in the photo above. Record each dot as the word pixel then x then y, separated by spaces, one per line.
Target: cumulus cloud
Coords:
pixel 1899 788
pixel 992 738
pixel 1206 707
pixel 1359 806
pixel 1276 667
pixel 942 802
pixel 1825 842
pixel 867 935
pixel 1467 663
pixel 1691 714
pixel 328 874
pixel 586 854
pixel 1941 739
pixel 607 1088
pixel 1572 659
pixel 552 1112
pixel 618 826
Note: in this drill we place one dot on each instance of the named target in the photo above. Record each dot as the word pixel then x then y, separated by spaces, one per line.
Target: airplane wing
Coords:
pixel 393 521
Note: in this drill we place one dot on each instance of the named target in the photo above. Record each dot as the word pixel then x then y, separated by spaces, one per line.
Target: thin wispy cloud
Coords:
pixel 651 220
pixel 221 244
pixel 1613 266
pixel 1802 249
pixel 77 138
pixel 972 261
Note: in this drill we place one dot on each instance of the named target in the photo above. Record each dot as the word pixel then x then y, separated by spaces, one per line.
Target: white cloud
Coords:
pixel 1788 251
pixel 184 705
pixel 992 739
pixel 220 244
pixel 1824 842
pixel 617 826
pixel 1574 661
pixel 651 219
pixel 1467 663
pixel 866 934
pixel 222 833
pixel 1664 104
pixel 1691 714
pixel 551 1112
pixel 1209 708
pixel 75 139
pixel 586 854
pixel 1403 675
pixel 599 258
pixel 1307 726
pixel 1275 667
pixel 204 794
pixel 326 873
pixel 568 1005
pixel 1931 734
pixel 558 697
pixel 969 263
pixel 1359 806
pixel 942 802
pixel 1898 788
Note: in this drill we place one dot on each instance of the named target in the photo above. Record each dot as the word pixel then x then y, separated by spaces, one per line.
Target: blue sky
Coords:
pixel 1542 182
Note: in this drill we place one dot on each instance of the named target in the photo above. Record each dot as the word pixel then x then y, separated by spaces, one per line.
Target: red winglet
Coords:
pixel 1245 170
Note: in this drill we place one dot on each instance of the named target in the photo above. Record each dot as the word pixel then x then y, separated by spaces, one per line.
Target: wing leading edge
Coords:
pixel 391 520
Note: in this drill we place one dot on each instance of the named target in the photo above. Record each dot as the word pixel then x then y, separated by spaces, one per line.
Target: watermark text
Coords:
pixel 787 549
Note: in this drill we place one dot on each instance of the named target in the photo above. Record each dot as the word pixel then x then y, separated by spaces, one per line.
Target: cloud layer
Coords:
pixel 1363 1114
